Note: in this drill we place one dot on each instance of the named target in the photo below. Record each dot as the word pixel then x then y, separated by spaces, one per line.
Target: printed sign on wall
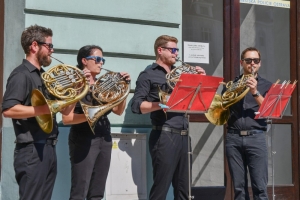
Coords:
pixel 196 52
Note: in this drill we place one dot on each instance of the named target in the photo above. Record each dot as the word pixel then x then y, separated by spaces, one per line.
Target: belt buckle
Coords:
pixel 243 132
pixel 183 132
pixel 54 142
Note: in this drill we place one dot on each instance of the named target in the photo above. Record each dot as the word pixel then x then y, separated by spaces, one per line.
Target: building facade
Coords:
pixel 126 30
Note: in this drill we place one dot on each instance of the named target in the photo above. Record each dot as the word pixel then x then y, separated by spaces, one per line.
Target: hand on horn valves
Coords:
pixel 200 70
pixel 87 74
pixel 252 84
pixel 126 76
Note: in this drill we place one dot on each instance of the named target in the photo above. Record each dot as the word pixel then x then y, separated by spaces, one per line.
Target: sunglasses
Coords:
pixel 249 60
pixel 49 45
pixel 97 59
pixel 172 50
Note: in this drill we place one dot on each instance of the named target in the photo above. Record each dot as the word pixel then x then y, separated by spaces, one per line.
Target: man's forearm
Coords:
pixel 147 107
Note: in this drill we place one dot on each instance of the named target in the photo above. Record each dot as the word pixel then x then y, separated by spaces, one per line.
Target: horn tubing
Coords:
pixel 57 105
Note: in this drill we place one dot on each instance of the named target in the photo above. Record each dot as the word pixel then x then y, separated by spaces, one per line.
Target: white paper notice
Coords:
pixel 196 52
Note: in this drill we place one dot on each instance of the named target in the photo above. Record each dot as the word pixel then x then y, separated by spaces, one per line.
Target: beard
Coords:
pixel 172 62
pixel 169 61
pixel 43 59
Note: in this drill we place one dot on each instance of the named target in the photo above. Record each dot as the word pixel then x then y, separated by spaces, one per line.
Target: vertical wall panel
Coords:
pixel 14 21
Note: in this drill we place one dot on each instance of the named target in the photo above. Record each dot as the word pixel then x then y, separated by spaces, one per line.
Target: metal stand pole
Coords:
pixel 189 153
pixel 269 121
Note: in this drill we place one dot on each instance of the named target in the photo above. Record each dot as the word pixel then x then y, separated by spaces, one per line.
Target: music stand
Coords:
pixel 193 94
pixel 273 107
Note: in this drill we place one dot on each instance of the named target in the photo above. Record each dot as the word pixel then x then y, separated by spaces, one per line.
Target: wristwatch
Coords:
pixel 256 94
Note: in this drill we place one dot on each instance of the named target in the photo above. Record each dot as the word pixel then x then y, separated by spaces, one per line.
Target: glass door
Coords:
pixel 202 42
pixel 266 25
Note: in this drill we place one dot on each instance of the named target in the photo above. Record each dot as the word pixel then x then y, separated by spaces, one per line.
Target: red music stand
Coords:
pixel 191 95
pixel 275 101
pixel 273 107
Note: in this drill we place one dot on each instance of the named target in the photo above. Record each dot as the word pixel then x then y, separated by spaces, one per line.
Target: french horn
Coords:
pixel 218 112
pixel 173 77
pixel 65 82
pixel 109 90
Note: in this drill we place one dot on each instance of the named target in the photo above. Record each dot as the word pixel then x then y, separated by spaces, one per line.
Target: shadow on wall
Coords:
pixel 135 120
pixel 63 179
pixel 133 150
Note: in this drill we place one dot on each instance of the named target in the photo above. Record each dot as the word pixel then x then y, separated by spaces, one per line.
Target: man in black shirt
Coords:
pixel 245 140
pixel 168 142
pixel 34 156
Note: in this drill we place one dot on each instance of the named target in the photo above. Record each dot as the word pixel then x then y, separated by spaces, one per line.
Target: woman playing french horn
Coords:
pixel 90 146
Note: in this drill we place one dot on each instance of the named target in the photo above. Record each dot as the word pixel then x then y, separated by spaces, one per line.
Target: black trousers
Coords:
pixel 169 153
pixel 250 152
pixel 90 161
pixel 35 170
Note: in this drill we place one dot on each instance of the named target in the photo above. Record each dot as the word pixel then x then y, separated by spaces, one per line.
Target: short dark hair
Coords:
pixel 86 51
pixel 34 33
pixel 249 49
pixel 162 41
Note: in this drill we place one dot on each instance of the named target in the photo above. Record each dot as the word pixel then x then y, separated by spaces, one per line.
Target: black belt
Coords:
pixel 52 142
pixel 47 141
pixel 171 130
pixel 245 132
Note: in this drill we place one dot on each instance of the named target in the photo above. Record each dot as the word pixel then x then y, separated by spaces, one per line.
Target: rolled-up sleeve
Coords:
pixel 17 91
pixel 141 92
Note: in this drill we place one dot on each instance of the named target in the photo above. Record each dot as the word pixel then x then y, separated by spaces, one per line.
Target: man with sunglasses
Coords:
pixel 168 142
pixel 34 156
pixel 246 146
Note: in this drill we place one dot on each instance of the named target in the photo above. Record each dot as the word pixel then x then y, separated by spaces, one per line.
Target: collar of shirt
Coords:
pixel 155 65
pixel 31 67
pixel 240 76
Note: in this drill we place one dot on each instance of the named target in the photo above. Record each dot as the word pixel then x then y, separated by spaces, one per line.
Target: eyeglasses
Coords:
pixel 172 50
pixel 49 45
pixel 97 59
pixel 249 60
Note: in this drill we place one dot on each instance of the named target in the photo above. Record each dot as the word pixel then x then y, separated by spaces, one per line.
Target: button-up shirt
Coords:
pixel 242 113
pixel 147 85
pixel 20 84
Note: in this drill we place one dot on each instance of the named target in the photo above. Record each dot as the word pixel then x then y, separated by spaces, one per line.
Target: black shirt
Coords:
pixel 102 126
pixel 20 84
pixel 242 113
pixel 147 90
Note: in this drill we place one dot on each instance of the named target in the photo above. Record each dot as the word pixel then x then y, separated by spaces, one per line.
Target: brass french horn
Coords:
pixel 173 76
pixel 65 82
pixel 109 90
pixel 218 112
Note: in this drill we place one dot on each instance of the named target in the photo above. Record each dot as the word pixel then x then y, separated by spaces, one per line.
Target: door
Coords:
pixel 228 27
pixel 269 26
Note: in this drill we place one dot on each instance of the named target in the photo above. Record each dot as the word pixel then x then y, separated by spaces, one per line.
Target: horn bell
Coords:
pixel 45 121
pixel 218 112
